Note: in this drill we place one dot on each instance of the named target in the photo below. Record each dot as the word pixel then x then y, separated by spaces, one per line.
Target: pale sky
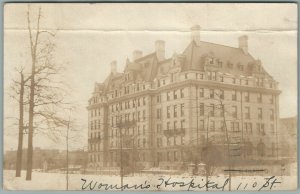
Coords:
pixel 90 36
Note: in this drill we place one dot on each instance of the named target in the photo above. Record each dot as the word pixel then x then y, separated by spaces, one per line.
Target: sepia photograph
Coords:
pixel 150 96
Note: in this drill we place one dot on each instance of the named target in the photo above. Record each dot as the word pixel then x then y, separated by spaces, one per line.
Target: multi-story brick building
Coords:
pixel 162 108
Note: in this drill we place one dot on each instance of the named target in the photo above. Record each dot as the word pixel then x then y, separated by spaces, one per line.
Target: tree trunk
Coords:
pixel 33 46
pixel 30 125
pixel 20 142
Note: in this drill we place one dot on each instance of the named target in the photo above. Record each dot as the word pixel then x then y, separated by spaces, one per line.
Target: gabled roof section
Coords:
pixel 230 57
pixel 145 67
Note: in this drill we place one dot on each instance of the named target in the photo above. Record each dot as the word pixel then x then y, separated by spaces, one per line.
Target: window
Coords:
pixel 247 99
pixel 168 96
pixel 168 112
pixel 158 83
pixel 168 143
pixel 248 127
pixel 234 112
pixel 158 128
pixel 260 116
pixel 272 129
pixel 175 111
pixel 201 109
pixel 144 142
pixel 175 94
pixel 175 125
pixel 139 132
pixel 258 127
pixel 201 125
pixel 233 80
pixel 144 130
pixel 144 101
pixel 259 98
pixel 157 142
pixel 222 125
pixel 175 156
pixel 182 124
pixel 211 75
pixel 235 126
pixel 241 67
pixel 221 79
pixel 138 100
pixel 212 93
pixel 212 126
pixel 201 92
pixel 186 76
pixel 182 93
pixel 247 112
pixel 158 113
pixel 219 63
pixel 168 125
pixel 144 115
pixel 221 94
pixel 158 98
pixel 271 114
pixel 168 156
pixel 222 110
pixel 234 95
pixel 182 140
pixel 212 110
pixel 272 99
pixel 182 109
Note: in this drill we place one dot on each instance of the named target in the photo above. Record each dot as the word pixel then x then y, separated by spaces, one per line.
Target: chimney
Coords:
pixel 160 49
pixel 113 67
pixel 195 34
pixel 136 54
pixel 243 43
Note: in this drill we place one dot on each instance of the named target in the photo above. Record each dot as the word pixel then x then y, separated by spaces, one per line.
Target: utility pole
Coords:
pixel 227 139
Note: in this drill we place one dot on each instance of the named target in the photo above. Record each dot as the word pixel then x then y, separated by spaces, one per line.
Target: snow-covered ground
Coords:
pixel 57 181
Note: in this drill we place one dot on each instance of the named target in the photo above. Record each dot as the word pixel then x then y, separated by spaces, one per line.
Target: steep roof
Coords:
pixel 196 54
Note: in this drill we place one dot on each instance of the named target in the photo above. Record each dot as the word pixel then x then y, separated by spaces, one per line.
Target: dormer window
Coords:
pixel 229 65
pixel 241 67
pixel 219 63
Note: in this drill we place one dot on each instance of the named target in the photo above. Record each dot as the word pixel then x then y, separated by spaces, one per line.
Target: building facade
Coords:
pixel 168 112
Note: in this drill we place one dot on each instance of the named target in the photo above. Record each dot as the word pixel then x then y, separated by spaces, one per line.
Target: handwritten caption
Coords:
pixel 192 184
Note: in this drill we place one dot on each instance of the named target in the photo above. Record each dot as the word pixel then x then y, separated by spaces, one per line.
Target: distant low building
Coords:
pixel 288 137
pixel 46 159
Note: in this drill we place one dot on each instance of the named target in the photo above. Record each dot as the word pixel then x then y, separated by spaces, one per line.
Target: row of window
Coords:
pixel 126 90
pixel 134 116
pixel 128 104
pixel 95 124
pixel 138 143
pixel 95 112
pixel 139 130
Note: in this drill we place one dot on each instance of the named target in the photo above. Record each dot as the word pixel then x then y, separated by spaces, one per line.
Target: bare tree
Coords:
pixel 17 92
pixel 46 95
